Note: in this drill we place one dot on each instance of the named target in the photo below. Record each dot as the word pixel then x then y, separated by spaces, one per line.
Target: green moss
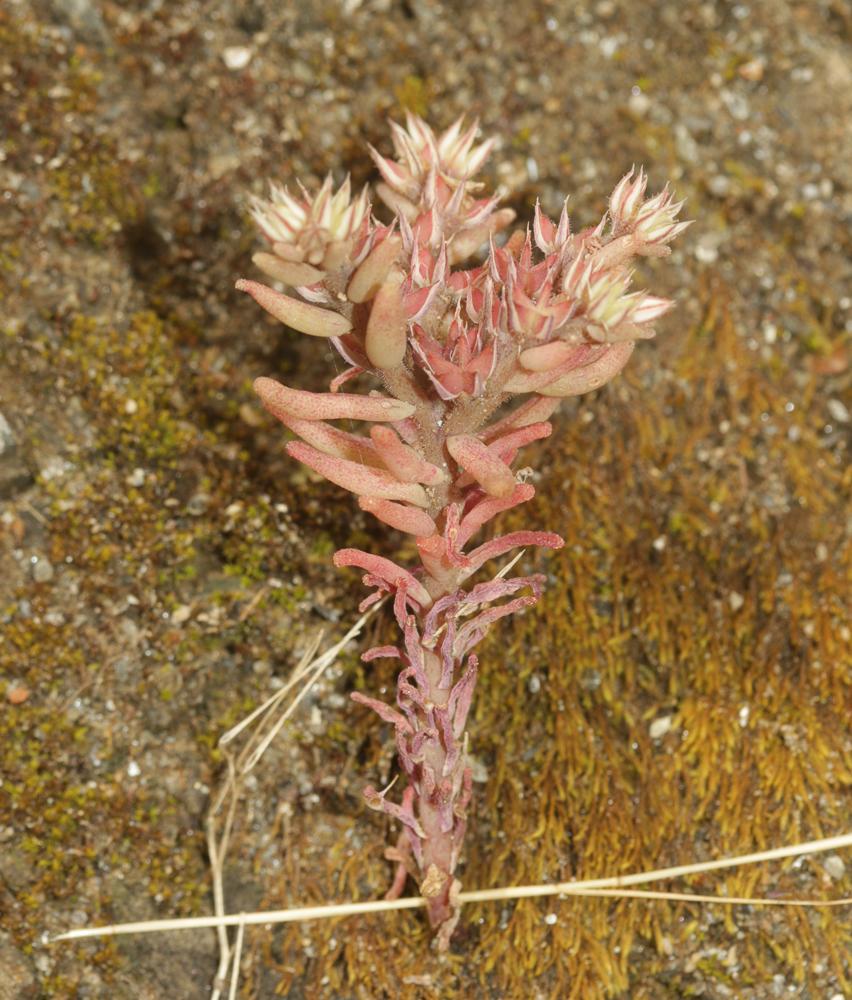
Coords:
pixel 414 94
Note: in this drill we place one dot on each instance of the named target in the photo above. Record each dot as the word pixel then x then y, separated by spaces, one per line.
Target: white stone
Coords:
pixel 838 411
pixel 835 867
pixel 639 104
pixel 237 56
pixel 659 727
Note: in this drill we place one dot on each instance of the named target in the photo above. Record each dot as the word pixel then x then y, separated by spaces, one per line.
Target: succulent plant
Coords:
pixel 443 350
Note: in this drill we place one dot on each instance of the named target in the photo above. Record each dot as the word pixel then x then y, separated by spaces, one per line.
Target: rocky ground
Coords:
pixel 684 690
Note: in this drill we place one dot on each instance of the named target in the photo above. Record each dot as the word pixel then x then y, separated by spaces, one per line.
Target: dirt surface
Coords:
pixel 683 692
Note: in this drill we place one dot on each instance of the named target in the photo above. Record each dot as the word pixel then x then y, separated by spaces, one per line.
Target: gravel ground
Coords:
pixel 163 566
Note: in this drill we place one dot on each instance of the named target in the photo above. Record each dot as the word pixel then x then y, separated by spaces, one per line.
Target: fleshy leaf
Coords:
pixel 301 316
pixel 384 569
pixel 476 458
pixel 357 478
pixel 280 399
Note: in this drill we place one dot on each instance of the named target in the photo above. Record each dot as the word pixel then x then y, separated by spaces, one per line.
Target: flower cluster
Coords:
pixel 547 314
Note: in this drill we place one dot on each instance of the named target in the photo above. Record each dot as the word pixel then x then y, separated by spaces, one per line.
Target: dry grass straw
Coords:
pixel 266 722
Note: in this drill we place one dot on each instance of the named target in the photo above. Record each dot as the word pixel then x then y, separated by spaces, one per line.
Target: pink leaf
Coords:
pixel 452 526
pixel 373 270
pixel 461 695
pixel 403 813
pixel 301 316
pixel 474 630
pixel 508 445
pixel 408 519
pixel 332 441
pixel 384 711
pixel 338 380
pixel 380 652
pixel 357 478
pixel 441 606
pixel 280 399
pixel 536 381
pixel 387 327
pixel 351 349
pixel 546 357
pixel 488 507
pixel 290 272
pixel 414 651
pixel 447 654
pixel 531 411
pixel 592 376
pixel 449 739
pixel 403 461
pixel 484 593
pixel 433 555
pixel 495 477
pixel 385 570
pixel 505 543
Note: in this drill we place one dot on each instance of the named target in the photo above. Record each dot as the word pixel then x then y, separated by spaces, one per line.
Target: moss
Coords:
pixel 414 94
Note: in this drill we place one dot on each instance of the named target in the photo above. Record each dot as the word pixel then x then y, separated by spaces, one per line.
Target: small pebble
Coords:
pixel 198 504
pixel 659 727
pixel 237 56
pixel 639 103
pixel 719 185
pixel 478 770
pixel 838 411
pixel 707 252
pixel 608 46
pixel 752 70
pixel 735 600
pixel 42 571
pixel 17 694
pixel 835 867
